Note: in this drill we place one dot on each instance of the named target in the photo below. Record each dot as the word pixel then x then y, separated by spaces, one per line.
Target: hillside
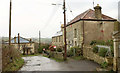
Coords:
pixel 43 40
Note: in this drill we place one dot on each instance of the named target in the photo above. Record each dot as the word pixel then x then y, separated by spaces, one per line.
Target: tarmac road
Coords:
pixel 40 63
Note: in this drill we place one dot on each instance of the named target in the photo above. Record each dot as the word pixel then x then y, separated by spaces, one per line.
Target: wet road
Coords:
pixel 40 63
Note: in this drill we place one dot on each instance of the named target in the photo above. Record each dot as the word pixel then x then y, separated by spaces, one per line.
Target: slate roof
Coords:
pixel 89 14
pixel 22 40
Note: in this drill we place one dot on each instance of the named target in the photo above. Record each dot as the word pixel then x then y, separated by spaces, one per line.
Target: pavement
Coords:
pixel 40 63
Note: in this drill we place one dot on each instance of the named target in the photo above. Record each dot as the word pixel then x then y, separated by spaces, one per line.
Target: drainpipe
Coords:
pixel 83 39
pixel 18 41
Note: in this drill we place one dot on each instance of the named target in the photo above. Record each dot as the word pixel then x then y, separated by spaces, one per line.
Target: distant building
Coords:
pixel 57 39
pixel 24 45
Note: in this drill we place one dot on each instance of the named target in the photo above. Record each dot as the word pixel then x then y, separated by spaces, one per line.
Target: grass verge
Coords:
pixel 56 59
pixel 78 58
pixel 31 55
pixel 15 65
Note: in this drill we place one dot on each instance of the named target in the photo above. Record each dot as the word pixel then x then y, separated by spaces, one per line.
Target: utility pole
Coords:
pixel 39 39
pixel 93 4
pixel 10 23
pixel 65 43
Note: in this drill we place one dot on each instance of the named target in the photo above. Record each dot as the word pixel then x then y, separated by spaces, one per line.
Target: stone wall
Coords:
pixel 70 34
pixel 98 30
pixel 93 30
pixel 88 53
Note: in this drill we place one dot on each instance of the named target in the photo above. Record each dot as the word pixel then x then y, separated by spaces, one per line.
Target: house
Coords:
pixel 25 46
pixel 88 26
pixel 57 39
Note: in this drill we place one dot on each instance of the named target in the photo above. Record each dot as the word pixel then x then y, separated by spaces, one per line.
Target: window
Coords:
pixel 75 33
pixel 75 43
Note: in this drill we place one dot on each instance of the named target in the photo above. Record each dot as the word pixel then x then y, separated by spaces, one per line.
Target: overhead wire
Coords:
pixel 51 16
pixel 70 10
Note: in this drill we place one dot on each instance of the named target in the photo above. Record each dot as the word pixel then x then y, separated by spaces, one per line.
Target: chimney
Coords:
pixel 18 38
pixel 62 27
pixel 15 39
pixel 98 13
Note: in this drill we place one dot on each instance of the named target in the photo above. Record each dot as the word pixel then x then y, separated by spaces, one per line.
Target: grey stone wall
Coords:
pixel 59 41
pixel 88 53
pixel 97 30
pixel 93 30
pixel 70 34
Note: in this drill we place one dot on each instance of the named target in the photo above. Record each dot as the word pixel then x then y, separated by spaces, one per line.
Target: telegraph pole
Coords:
pixel 65 44
pixel 39 39
pixel 10 23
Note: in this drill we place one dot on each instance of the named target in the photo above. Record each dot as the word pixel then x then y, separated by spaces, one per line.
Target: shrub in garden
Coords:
pixel 95 49
pixel 46 46
pixel 93 42
pixel 77 51
pixel 104 65
pixel 40 49
pixel 69 53
pixel 100 42
pixel 11 58
pixel 102 52
pixel 59 50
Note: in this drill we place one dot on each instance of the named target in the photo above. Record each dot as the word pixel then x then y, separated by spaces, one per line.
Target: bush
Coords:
pixel 93 42
pixel 104 65
pixel 69 53
pixel 77 51
pixel 102 52
pixel 40 49
pixel 95 49
pixel 46 46
pixel 59 50
pixel 11 58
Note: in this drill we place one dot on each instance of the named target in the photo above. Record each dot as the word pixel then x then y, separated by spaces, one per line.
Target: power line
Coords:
pixel 50 17
pixel 70 10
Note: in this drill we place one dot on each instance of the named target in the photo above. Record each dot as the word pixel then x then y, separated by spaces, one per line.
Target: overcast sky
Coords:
pixel 30 16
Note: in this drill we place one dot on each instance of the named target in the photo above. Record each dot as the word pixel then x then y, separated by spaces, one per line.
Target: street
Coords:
pixel 40 63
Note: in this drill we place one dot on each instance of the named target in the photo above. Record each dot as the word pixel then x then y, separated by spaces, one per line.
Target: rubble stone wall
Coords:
pixel 89 54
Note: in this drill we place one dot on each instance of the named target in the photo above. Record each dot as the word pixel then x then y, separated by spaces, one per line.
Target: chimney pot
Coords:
pixel 98 12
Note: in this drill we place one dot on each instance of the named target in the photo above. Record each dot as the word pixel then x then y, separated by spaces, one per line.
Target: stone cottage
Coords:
pixel 25 46
pixel 88 26
pixel 57 39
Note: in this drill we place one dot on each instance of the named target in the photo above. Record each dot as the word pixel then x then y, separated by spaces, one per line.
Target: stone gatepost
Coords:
pixel 116 59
